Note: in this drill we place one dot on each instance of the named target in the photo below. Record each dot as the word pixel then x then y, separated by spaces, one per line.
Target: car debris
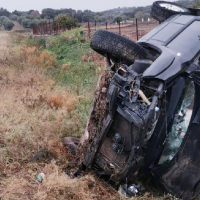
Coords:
pixel 130 190
pixel 40 177
pixel 145 117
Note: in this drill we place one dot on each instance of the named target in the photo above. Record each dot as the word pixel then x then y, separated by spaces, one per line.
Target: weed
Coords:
pixel 78 76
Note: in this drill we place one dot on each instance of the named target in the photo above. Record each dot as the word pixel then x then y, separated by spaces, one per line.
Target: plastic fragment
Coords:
pixel 40 177
pixel 131 190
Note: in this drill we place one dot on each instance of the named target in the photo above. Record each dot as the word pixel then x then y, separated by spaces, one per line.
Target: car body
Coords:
pixel 145 118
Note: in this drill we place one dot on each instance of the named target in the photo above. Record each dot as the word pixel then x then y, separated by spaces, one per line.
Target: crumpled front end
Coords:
pixel 129 112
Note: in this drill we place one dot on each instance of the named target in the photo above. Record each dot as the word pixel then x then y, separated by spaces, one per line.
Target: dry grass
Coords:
pixel 35 114
pixel 29 118
pixel 97 59
pixel 24 57
pixel 56 185
pixel 3 42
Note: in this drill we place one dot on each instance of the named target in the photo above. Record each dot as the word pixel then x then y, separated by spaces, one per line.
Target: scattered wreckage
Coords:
pixel 145 118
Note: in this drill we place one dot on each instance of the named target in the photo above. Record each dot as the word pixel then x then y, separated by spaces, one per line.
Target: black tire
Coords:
pixel 160 12
pixel 118 47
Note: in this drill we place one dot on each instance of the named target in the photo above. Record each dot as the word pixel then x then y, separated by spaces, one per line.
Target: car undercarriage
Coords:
pixel 145 117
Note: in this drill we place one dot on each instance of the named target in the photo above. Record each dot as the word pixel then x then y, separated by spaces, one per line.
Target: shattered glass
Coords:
pixel 180 124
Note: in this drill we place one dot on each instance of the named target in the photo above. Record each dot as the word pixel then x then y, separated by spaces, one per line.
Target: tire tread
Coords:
pixel 117 46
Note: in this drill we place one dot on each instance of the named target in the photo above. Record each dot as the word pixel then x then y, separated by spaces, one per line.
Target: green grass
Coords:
pixel 69 47
pixel 81 78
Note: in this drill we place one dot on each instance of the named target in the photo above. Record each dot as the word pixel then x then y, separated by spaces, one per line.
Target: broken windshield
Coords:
pixel 180 124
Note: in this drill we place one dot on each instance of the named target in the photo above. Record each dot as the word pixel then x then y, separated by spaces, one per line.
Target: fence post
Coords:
pixel 33 30
pixel 49 27
pixel 89 29
pixel 119 28
pixel 42 28
pixel 58 28
pixel 136 28
pixel 95 23
pixel 106 25
pixel 53 26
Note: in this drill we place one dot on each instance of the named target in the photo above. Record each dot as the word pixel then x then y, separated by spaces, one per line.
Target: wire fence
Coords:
pixel 132 30
pixel 46 29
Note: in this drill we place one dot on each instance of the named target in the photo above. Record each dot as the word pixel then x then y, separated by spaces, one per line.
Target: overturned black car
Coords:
pixel 145 118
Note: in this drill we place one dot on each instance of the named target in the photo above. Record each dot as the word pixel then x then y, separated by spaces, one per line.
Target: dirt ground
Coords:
pixel 4 37
pixel 17 26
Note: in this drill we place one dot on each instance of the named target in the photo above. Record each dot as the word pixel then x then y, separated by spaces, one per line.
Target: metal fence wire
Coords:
pixel 132 29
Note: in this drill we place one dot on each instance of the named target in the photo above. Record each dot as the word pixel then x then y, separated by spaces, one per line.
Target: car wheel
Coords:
pixel 162 10
pixel 117 47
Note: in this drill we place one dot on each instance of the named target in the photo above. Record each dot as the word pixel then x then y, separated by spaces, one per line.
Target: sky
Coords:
pixel 93 5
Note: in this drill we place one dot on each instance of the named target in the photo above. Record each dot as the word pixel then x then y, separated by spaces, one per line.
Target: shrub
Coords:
pixel 8 24
pixel 34 22
pixel 66 22
pixel 20 19
pixel 42 21
pixel 26 23
pixel 118 19
pixel 2 18
pixel 13 17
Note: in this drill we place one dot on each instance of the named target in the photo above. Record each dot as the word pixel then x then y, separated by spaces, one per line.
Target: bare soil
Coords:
pixel 17 26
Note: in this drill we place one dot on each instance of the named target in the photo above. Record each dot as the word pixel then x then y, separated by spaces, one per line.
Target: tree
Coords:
pixel 86 18
pixel 98 18
pixel 124 17
pixel 30 17
pixel 146 16
pixel 4 12
pixel 18 13
pixel 48 13
pixel 13 17
pixel 78 15
pixel 118 19
pixel 2 18
pixel 138 15
pixel 8 24
pixel 66 22
pixel 35 14
pixel 34 22
pixel 196 4
pixel 26 23
pixel 20 19
pixel 42 21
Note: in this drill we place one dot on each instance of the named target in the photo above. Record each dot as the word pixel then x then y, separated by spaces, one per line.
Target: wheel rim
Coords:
pixel 180 124
pixel 172 7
